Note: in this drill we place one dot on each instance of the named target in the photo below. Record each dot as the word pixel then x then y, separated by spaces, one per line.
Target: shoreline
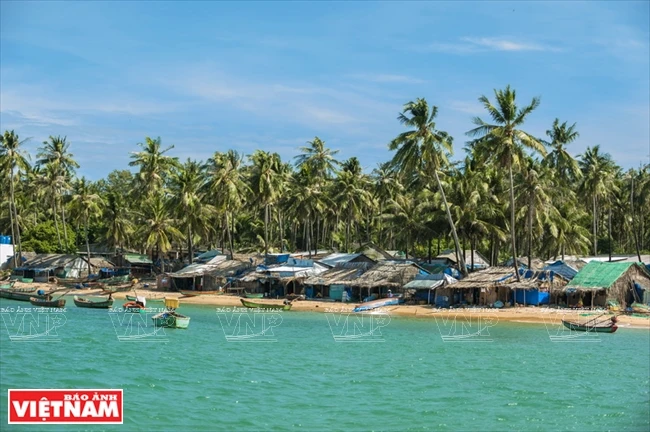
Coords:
pixel 527 314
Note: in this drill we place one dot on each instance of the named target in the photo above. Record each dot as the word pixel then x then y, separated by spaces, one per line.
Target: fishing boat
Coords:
pixel 374 304
pixel 131 298
pixel 640 308
pixel 85 303
pixel 24 294
pixel 112 289
pixel 58 303
pixel 136 306
pixel 607 325
pixel 9 285
pixel 170 318
pixel 253 295
pixel 199 293
pixel 116 280
pixel 253 305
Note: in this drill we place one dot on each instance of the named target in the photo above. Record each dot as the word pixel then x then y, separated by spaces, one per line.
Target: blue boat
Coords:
pixel 374 304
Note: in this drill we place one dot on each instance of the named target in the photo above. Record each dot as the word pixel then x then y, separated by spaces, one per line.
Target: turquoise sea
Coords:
pixel 296 376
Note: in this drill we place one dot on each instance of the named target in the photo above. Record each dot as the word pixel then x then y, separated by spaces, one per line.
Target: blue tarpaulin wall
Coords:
pixel 533 297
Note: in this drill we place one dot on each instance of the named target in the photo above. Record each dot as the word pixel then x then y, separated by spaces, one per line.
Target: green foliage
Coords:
pixel 42 238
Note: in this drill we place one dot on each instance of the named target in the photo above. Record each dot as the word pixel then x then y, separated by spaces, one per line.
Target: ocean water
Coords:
pixel 295 376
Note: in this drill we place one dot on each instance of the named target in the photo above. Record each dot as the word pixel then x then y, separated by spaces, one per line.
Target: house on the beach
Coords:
pixel 473 259
pixel 332 283
pixel 41 267
pixel 384 276
pixel 422 288
pixel 139 265
pixel 488 286
pixel 599 283
pixel 283 278
pixel 216 273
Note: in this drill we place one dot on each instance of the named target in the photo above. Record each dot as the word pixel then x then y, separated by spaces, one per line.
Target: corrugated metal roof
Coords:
pixel 335 258
pixel 563 269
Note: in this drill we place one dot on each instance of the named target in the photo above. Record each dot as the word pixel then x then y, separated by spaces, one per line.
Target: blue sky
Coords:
pixel 210 76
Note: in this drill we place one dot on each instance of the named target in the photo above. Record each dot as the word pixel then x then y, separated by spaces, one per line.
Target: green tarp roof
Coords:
pixel 599 275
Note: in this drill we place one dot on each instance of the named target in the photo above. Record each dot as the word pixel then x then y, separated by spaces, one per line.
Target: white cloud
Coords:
pixel 473 108
pixel 468 45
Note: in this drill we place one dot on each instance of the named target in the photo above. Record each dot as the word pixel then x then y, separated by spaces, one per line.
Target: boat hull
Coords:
pixel 374 304
pixel 587 328
pixel 23 295
pixel 171 320
pixel 60 303
pixel 253 296
pixel 253 305
pixel 84 303
pixel 199 293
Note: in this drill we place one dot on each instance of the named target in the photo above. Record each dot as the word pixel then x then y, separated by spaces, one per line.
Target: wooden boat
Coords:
pixel 134 307
pixel 606 326
pixel 640 308
pixel 59 303
pixel 199 293
pixel 253 295
pixel 254 305
pixel 85 303
pixel 130 298
pixel 374 304
pixel 171 319
pixel 112 289
pixel 23 294
pixel 9 285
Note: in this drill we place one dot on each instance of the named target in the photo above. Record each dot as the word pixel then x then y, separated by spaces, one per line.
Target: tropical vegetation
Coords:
pixel 511 194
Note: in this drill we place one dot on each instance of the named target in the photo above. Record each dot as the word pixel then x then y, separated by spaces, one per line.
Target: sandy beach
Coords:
pixel 529 314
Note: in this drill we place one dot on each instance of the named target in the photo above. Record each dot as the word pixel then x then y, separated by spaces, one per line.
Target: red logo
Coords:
pixel 65 406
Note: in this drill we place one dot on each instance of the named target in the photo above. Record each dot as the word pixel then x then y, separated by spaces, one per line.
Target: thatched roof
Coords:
pixel 489 277
pixel 49 261
pixel 387 274
pixel 341 274
pixel 505 276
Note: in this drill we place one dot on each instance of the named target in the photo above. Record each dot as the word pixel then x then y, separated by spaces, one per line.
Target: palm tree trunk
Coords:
pixel 56 222
pixel 347 233
pixel 430 249
pixel 87 244
pixel 65 230
pixel 609 232
pixel 281 231
pixel 459 258
pixel 471 249
pixel 15 219
pixel 13 231
pixel 530 232
pixel 308 229
pixel 594 226
pixel 266 232
pixel 190 246
pixel 381 212
pixel 512 222
pixel 230 234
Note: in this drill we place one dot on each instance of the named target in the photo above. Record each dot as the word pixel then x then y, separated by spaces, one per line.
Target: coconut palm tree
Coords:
pixel 13 158
pixel 159 227
pixel 352 194
pixel 504 142
pixel 154 166
pixel 265 184
pixel 534 190
pixel 386 186
pixel 598 182
pixel 423 151
pixel 187 187
pixel 118 221
pixel 55 153
pixel 318 158
pixel 565 166
pixel 227 187
pixel 86 204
